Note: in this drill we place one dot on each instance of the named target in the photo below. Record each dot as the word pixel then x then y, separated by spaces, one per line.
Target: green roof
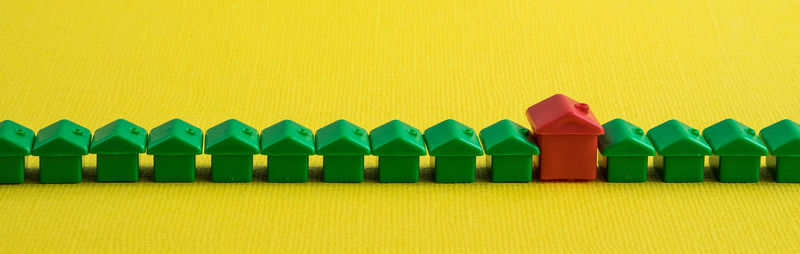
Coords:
pixel 342 138
pixel 622 138
pixel 62 138
pixel 732 138
pixel 673 138
pixel 287 138
pixel 397 138
pixel 451 138
pixel 15 139
pixel 175 137
pixel 232 137
pixel 508 138
pixel 119 137
pixel 782 138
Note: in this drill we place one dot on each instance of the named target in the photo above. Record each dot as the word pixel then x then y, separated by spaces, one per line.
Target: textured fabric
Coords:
pixel 373 61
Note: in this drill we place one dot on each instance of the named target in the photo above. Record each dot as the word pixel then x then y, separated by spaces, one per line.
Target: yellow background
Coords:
pixel 373 61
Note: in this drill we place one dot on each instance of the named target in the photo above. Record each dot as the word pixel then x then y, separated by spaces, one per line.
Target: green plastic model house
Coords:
pixel 232 145
pixel 15 144
pixel 783 141
pixel 287 145
pixel 625 149
pixel 681 152
pixel 453 147
pixel 510 151
pixel 343 146
pixel 60 147
pixel 118 145
pixel 398 147
pixel 174 146
pixel 737 151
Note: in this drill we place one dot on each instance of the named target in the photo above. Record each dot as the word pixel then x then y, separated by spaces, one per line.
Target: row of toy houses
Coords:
pixel 565 132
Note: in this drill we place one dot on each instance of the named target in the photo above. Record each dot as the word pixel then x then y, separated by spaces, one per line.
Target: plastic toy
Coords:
pixel 15 144
pixel 174 146
pixel 453 147
pixel 625 149
pixel 566 132
pixel 783 141
pixel 398 147
pixel 510 149
pixel 60 147
pixel 232 145
pixel 737 151
pixel 287 145
pixel 681 152
pixel 118 145
pixel 343 146
pixel 565 135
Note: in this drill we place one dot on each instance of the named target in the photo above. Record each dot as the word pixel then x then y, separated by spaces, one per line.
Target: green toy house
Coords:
pixel 398 147
pixel 510 151
pixel 624 149
pixel 60 147
pixel 15 144
pixel 737 151
pixel 343 146
pixel 232 145
pixel 783 141
pixel 453 147
pixel 174 146
pixel 118 145
pixel 681 152
pixel 287 145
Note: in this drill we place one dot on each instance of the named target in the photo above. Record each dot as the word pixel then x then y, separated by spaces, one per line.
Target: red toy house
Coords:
pixel 566 132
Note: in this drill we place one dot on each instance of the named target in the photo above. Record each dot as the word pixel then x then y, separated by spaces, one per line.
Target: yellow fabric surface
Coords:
pixel 370 62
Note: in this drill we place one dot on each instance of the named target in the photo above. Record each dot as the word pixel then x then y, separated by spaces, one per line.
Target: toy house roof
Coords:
pixel 508 138
pixel 731 138
pixel 175 137
pixel 397 138
pixel 342 138
pixel 15 139
pixel 673 138
pixel 232 137
pixel 287 138
pixel 119 137
pixel 782 138
pixel 451 138
pixel 622 138
pixel 561 115
pixel 62 138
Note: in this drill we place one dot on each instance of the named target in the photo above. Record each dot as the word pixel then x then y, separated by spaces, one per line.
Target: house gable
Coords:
pixel 732 138
pixel 342 138
pixel 397 138
pixel 119 137
pixel 62 138
pixel 508 138
pixel 232 137
pixel 175 137
pixel 451 138
pixel 287 138
pixel 15 139
pixel 673 138
pixel 622 138
pixel 561 115
pixel 782 138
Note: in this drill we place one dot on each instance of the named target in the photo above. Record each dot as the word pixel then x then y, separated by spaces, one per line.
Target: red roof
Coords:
pixel 560 115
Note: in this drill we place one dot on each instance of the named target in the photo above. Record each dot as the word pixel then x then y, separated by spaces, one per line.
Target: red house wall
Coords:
pixel 567 157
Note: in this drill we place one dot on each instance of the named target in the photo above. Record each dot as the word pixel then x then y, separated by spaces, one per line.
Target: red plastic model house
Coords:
pixel 566 132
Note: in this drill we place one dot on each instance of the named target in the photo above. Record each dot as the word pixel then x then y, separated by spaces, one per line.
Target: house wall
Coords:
pixel 567 157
